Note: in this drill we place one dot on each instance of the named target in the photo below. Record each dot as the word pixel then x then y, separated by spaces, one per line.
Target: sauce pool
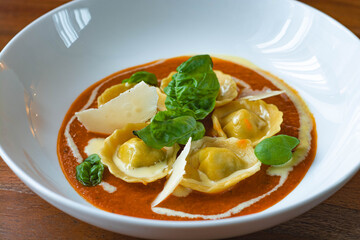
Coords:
pixel 134 199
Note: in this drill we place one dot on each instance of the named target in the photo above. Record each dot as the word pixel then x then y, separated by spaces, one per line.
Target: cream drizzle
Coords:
pixel 306 125
pixel 94 146
pixel 108 187
pixel 232 211
pixel 70 142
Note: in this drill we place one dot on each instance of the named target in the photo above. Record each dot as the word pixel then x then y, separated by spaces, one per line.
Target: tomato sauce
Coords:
pixel 134 199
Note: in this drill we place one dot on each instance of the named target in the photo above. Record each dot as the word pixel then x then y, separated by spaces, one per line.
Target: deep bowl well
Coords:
pixel 48 64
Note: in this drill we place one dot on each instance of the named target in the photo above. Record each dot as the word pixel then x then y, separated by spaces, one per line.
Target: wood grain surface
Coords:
pixel 24 215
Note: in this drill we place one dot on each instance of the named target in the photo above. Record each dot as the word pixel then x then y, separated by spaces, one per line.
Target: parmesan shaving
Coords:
pixel 176 175
pixel 258 95
pixel 135 105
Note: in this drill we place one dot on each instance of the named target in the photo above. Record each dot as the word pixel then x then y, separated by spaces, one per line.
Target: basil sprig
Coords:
pixel 276 150
pixel 169 127
pixel 191 96
pixel 194 87
pixel 147 77
pixel 90 172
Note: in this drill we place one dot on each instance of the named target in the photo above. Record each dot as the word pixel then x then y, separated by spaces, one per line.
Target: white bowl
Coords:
pixel 48 64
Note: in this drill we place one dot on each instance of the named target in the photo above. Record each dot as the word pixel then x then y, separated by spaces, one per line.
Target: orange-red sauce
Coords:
pixel 134 199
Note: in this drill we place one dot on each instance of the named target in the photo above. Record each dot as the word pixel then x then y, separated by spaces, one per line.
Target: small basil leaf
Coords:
pixel 276 150
pixel 194 87
pixel 168 128
pixel 147 77
pixel 196 64
pixel 93 159
pixel 90 172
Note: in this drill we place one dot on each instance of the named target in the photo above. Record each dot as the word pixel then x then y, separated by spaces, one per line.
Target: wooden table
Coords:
pixel 24 215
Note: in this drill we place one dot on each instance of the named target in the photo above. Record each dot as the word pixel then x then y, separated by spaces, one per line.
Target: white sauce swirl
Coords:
pixel 232 211
pixel 108 187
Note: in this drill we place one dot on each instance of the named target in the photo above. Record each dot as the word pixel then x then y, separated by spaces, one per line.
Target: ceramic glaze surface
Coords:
pixel 47 65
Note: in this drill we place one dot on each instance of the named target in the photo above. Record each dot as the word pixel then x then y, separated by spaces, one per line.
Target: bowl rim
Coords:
pixel 70 204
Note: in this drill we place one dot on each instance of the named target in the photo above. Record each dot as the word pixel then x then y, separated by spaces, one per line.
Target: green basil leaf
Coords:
pixel 276 150
pixel 196 134
pixel 147 77
pixel 169 127
pixel 196 64
pixel 194 87
pixel 90 172
pixel 191 95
